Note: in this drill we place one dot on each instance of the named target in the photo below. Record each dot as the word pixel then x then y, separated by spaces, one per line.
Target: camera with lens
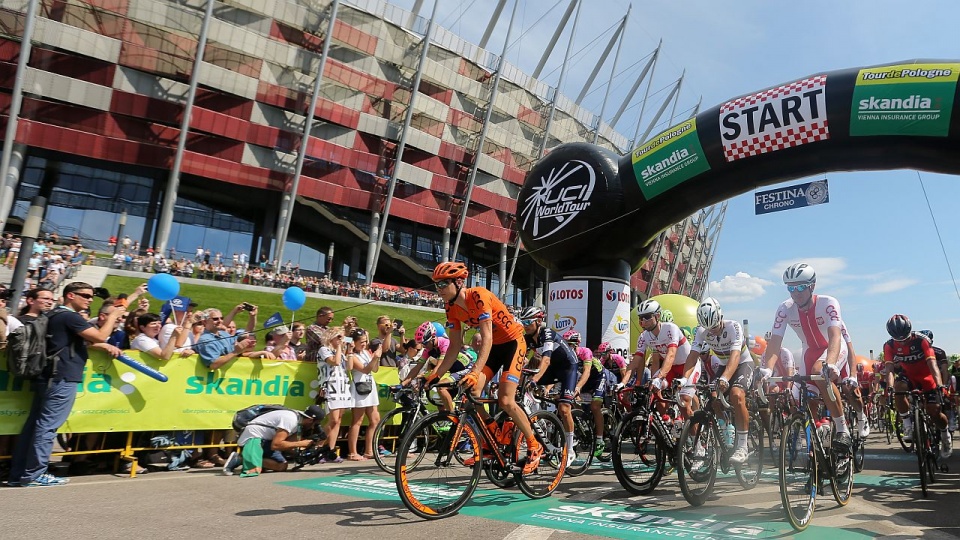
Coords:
pixel 247 306
pixel 311 455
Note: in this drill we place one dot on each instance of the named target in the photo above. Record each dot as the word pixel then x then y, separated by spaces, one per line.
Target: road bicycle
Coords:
pixel 437 481
pixel 926 438
pixel 807 460
pixel 703 448
pixel 412 408
pixel 644 444
pixel 584 441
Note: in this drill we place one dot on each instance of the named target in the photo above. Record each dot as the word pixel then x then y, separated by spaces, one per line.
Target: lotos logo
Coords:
pixel 561 196
pixel 563 322
pixel 621 326
pixel 615 296
pixel 566 294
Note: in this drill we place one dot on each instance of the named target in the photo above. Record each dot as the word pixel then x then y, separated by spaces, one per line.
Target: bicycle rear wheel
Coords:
pixel 549 432
pixel 386 463
pixel 584 443
pixel 898 429
pixel 859 452
pixel 697 458
pixel 748 474
pixel 777 420
pixel 438 484
pixel 798 473
pixel 639 458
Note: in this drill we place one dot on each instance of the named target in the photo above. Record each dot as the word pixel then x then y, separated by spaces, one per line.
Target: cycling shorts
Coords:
pixel 596 386
pixel 564 374
pixel 509 357
pixel 741 378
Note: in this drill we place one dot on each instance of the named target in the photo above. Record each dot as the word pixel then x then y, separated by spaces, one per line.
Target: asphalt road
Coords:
pixel 356 500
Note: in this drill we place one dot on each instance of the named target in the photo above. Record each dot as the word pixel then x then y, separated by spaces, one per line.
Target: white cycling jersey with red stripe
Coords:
pixel 722 344
pixel 811 326
pixel 670 336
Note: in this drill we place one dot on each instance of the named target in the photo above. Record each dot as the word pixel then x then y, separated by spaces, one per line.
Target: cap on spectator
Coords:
pixel 282 329
pixel 313 411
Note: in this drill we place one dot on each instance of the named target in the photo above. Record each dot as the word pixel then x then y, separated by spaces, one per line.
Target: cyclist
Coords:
pixel 816 321
pixel 667 343
pixel 434 347
pixel 612 361
pixel 593 381
pixel 558 364
pixel 850 387
pixel 910 356
pixel 502 345
pixel 734 365
pixel 943 362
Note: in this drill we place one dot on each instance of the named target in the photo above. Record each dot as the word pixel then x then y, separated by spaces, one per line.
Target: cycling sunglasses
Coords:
pixel 798 288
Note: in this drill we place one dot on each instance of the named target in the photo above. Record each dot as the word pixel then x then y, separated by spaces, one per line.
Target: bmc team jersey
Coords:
pixel 723 344
pixel 811 326
pixel 910 358
pixel 482 305
pixel 670 336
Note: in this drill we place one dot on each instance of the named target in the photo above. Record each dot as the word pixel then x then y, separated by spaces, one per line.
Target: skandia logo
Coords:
pixel 566 294
pixel 615 296
pixel 559 199
pixel 621 326
pixel 563 322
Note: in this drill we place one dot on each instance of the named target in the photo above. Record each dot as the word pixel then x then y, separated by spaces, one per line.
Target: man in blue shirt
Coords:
pixel 216 347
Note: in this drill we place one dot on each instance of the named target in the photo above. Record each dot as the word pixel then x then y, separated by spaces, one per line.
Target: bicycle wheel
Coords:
pixel 898 429
pixel 777 420
pixel 546 477
pixel 698 452
pixel 798 473
pixel 439 484
pixel 920 443
pixel 583 443
pixel 887 421
pixel 748 473
pixel 841 480
pixel 609 425
pixel 386 463
pixel 859 452
pixel 497 474
pixel 639 458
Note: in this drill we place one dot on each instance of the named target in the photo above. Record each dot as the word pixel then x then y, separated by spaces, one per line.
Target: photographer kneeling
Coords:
pixel 263 441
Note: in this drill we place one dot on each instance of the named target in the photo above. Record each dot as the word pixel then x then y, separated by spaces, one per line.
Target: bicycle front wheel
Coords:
pixel 798 472
pixel 386 463
pixel 697 458
pixel 549 432
pixel 639 458
pixel 921 444
pixel 437 483
pixel 748 474
pixel 583 445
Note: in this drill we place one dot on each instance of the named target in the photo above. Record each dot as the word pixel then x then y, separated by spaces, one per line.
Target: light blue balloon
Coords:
pixel 294 298
pixel 163 287
pixel 441 330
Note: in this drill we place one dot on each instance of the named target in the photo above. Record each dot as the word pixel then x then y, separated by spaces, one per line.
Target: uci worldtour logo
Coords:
pixel 563 322
pixel 560 198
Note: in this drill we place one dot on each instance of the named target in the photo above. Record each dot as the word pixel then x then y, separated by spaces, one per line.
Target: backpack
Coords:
pixel 27 355
pixel 245 417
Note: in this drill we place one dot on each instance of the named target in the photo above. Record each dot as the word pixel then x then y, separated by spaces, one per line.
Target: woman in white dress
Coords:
pixel 335 385
pixel 363 360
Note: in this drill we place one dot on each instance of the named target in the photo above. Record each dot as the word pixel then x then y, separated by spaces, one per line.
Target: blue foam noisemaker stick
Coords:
pixel 143 368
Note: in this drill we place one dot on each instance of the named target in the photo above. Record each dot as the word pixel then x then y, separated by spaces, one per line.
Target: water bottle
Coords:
pixel 825 429
pixel 728 432
pixel 677 428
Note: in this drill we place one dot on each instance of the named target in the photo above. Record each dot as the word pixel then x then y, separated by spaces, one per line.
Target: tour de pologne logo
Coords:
pixel 560 197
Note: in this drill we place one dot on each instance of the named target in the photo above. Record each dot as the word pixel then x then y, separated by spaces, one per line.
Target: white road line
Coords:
pixel 529 532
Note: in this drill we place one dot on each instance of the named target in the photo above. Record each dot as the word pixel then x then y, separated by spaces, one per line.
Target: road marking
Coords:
pixel 529 532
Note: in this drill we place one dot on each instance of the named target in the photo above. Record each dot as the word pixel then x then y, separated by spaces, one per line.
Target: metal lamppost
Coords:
pixel 31 230
pixel 122 223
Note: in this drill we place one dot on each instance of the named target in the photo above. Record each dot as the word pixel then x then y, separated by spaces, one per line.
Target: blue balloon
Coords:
pixel 163 287
pixel 294 298
pixel 441 330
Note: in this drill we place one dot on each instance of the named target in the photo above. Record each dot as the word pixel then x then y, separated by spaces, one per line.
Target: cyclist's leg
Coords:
pixel 833 405
pixel 511 357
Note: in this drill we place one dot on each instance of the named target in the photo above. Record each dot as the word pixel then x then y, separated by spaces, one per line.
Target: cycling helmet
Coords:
pixel 571 336
pixel 604 347
pixel 425 332
pixel 666 315
pixel 799 273
pixel 450 270
pixel 899 327
pixel 928 334
pixel 647 307
pixel 709 314
pixel 531 313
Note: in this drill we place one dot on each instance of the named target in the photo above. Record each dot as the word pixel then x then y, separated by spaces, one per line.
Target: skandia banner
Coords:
pixel 616 316
pixel 114 397
pixel 798 196
pixel 567 307
pixel 908 99
pixel 669 158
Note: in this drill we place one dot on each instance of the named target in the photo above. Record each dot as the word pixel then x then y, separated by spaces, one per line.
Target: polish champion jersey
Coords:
pixel 670 336
pixel 811 325
pixel 730 339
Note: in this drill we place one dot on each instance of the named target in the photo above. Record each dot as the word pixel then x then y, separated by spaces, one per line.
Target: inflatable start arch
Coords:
pixel 592 217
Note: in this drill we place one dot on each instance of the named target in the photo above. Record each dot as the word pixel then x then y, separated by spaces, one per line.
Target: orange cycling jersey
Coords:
pixel 481 306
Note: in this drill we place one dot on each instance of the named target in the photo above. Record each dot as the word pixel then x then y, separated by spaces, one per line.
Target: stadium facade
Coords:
pixel 107 82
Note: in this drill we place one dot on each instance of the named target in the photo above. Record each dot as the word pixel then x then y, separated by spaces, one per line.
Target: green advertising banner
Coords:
pixel 114 397
pixel 670 158
pixel 907 99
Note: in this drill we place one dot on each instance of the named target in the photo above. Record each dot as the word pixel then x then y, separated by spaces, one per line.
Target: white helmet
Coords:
pixel 709 314
pixel 648 307
pixel 799 273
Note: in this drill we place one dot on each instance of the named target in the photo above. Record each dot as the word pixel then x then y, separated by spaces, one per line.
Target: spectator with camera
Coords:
pixel 386 330
pixel 362 361
pixel 314 333
pixel 334 386
pixel 216 347
pixel 263 441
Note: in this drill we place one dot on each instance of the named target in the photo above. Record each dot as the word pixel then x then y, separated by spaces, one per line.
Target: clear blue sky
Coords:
pixel 874 245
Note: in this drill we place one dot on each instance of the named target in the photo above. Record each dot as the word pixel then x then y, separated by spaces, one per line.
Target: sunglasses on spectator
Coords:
pixel 797 288
pixel 216 318
pixel 647 316
pixel 441 284
pixel 88 296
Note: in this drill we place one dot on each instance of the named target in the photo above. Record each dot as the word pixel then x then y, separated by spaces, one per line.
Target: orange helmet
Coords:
pixel 450 270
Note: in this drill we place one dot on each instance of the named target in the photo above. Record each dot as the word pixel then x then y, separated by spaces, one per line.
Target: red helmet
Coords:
pixel 450 270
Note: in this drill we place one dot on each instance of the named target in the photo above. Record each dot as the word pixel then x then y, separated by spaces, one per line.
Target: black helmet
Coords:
pixel 899 327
